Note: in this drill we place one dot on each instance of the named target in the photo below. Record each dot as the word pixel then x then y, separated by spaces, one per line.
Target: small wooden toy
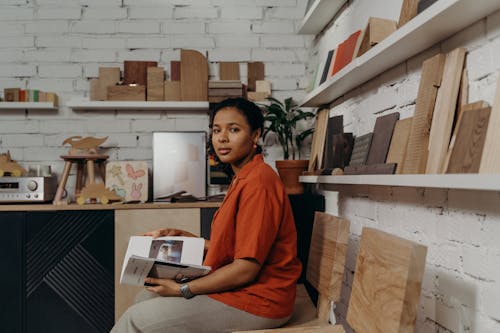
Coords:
pixel 81 145
pixel 97 191
pixel 7 165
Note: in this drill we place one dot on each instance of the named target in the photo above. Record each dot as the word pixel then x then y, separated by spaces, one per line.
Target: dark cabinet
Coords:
pixel 62 265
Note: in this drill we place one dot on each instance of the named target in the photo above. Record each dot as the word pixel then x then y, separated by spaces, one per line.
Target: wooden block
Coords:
pixel 318 140
pixel 129 179
pixel 335 126
pixel 327 65
pixel 345 52
pixel 360 150
pixel 325 266
pixel 194 76
pixel 135 72
pixel 416 153
pixel 444 111
pixel 11 94
pixel 257 96
pixel 229 71
pixel 255 72
pixel 53 98
pixel 175 70
pixel 399 142
pixel 230 92
pixel 408 11
pixel 215 84
pixel 155 87
pixel 467 148
pixel 126 93
pixel 376 30
pixel 263 86
pixel 94 90
pixel 22 95
pixel 373 169
pixel 387 281
pixel 342 145
pixel 382 134
pixel 172 91
pixel 490 161
pixel 108 76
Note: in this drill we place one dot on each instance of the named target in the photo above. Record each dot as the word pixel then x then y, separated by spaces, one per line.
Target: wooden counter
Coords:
pixel 114 206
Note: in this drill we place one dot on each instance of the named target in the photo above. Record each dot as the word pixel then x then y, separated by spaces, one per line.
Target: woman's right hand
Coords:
pixel 169 232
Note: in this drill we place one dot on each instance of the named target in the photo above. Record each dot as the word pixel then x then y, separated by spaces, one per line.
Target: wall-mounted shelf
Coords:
pixel 485 182
pixel 27 106
pixel 439 21
pixel 318 15
pixel 83 104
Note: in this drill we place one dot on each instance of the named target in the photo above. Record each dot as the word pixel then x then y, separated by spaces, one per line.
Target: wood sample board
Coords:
pixel 194 76
pixel 256 72
pixel 399 141
pixel 229 70
pixel 387 281
pixel 135 72
pixel 408 11
pixel 155 83
pixel 335 126
pixel 318 140
pixel 490 161
pixel 444 111
pixel 416 153
pixel 360 150
pixel 381 140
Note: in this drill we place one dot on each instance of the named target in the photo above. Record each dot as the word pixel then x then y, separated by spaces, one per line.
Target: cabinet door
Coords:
pixel 69 271
pixel 12 276
pixel 137 222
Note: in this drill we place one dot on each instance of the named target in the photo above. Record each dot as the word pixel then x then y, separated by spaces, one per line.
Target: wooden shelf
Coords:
pixel 27 105
pixel 484 182
pixel 439 21
pixel 319 15
pixel 82 104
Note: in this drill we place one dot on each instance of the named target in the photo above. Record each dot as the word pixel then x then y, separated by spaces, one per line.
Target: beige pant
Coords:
pixel 154 313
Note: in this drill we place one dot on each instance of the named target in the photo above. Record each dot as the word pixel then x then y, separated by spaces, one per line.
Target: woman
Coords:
pixel 252 247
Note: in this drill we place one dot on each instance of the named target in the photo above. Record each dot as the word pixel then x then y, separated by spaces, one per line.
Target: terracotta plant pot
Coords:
pixel 289 171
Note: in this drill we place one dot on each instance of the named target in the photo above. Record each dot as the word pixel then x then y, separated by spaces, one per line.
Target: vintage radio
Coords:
pixel 27 189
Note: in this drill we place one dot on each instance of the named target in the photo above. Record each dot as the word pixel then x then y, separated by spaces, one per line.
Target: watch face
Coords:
pixel 186 292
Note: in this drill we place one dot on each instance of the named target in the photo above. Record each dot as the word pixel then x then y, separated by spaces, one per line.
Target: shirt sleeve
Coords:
pixel 257 223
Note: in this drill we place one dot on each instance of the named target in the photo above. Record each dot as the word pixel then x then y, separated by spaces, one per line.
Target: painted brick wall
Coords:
pixel 461 287
pixel 57 45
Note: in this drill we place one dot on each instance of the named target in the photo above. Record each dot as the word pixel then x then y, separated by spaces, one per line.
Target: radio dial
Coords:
pixel 32 185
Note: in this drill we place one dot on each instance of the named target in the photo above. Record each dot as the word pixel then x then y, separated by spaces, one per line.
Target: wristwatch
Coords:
pixel 186 292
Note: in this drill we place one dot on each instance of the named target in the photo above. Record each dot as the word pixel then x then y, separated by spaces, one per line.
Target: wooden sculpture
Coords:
pixel 86 145
pixel 7 165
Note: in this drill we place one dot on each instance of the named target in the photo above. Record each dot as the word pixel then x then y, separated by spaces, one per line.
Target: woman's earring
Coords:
pixel 254 145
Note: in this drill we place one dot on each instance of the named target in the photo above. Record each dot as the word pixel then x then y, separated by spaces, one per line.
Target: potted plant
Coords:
pixel 281 119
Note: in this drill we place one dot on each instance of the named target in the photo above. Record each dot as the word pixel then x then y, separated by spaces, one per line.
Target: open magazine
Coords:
pixel 164 257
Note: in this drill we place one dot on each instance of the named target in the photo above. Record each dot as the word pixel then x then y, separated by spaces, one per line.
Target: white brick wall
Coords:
pixel 461 287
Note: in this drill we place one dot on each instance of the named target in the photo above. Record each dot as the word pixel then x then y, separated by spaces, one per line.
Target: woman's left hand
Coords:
pixel 164 287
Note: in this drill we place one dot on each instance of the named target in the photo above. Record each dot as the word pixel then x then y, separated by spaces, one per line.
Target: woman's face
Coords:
pixel 232 138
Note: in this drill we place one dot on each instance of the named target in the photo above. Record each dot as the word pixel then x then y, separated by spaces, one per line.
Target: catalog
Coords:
pixel 164 257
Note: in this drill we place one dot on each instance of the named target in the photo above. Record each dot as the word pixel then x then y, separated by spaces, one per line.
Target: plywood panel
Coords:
pixel 382 134
pixel 256 72
pixel 194 76
pixel 108 76
pixel 172 91
pixel 386 287
pixel 325 265
pixel 444 111
pixel 135 72
pixel 318 140
pixel 408 11
pixel 229 71
pixel 467 150
pixel 155 87
pixel 490 161
pixel 399 142
pixel 376 30
pixel 175 70
pixel 137 222
pixel 416 153
pixel 126 93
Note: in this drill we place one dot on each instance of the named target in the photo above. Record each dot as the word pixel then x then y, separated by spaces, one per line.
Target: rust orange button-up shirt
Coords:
pixel 255 221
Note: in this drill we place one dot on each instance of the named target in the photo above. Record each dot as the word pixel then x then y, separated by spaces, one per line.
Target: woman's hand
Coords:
pixel 169 232
pixel 164 287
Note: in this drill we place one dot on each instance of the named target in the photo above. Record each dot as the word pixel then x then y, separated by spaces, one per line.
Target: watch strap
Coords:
pixel 186 292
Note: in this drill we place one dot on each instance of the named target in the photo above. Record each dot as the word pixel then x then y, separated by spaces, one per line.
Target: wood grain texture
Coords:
pixel 194 76
pixel 376 30
pixel 256 71
pixel 94 88
pixel 381 140
pixel 108 76
pixel 399 142
pixel 172 91
pixel 416 154
pixel 229 70
pixel 444 111
pixel 327 253
pixel 490 161
pixel 408 11
pixel 360 150
pixel 135 72
pixel 155 83
pixel 175 70
pixel 372 169
pixel 386 287
pixel 126 93
pixel 318 140
pixel 335 126
pixel 467 149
